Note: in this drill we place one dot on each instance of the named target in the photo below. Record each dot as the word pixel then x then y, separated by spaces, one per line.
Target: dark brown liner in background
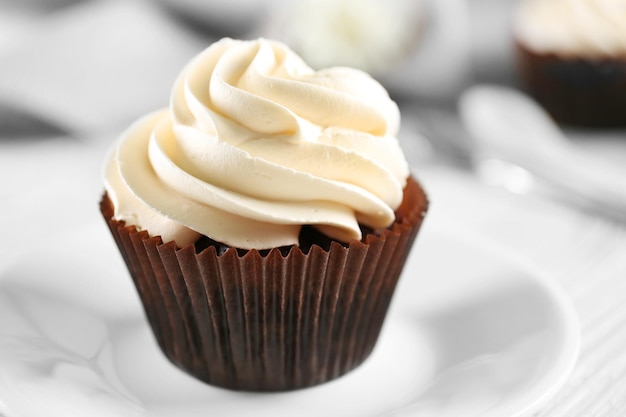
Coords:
pixel 269 322
pixel 577 91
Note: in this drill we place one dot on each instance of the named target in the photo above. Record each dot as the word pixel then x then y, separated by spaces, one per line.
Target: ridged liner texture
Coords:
pixel 272 320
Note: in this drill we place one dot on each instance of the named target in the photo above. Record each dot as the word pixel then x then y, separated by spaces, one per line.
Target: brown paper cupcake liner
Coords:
pixel 269 321
pixel 575 91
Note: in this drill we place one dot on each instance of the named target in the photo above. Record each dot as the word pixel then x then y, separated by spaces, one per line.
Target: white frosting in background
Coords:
pixel 372 35
pixel 256 144
pixel 593 28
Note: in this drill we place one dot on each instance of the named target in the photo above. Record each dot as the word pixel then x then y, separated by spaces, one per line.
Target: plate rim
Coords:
pixel 541 278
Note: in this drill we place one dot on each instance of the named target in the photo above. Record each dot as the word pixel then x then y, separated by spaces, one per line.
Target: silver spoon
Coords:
pixel 510 128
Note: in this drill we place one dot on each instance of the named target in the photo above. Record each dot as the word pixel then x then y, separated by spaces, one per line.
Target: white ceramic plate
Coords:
pixel 472 331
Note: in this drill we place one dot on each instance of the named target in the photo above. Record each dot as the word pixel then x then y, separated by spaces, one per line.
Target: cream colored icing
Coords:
pixel 256 144
pixel 594 28
pixel 372 35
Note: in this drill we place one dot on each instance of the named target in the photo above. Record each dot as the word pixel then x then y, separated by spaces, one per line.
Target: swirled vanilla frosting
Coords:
pixel 254 145
pixel 589 28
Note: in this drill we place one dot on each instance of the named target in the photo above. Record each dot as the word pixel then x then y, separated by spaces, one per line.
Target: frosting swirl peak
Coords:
pixel 593 28
pixel 256 144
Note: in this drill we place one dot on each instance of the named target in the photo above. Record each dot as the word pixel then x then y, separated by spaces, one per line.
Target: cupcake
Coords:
pixel 264 217
pixel 571 56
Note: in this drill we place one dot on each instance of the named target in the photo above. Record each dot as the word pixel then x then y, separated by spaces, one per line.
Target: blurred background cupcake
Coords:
pixel 571 56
